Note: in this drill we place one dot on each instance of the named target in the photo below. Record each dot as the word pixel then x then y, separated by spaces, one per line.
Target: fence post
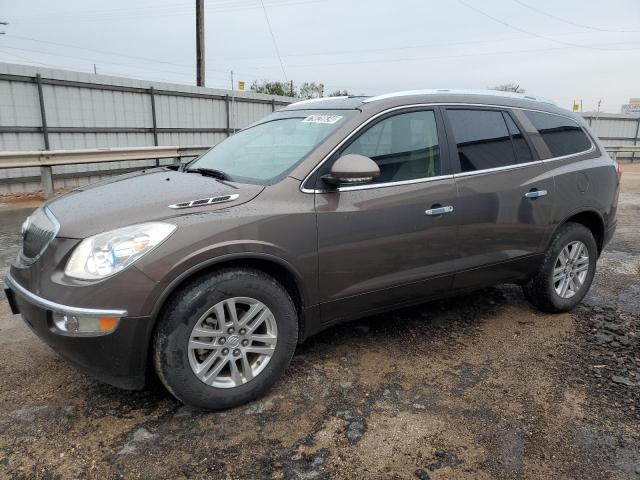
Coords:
pixel 635 140
pixel 226 100
pixel 46 176
pixel 273 104
pixel 46 173
pixel 154 121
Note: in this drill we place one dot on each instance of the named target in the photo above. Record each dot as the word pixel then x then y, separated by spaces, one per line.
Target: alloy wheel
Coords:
pixel 232 342
pixel 570 269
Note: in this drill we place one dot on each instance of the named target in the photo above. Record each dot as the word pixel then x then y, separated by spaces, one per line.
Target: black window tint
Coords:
pixel 523 153
pixel 482 138
pixel 404 146
pixel 562 135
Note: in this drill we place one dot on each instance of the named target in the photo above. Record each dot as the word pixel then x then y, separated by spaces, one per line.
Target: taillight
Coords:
pixel 618 169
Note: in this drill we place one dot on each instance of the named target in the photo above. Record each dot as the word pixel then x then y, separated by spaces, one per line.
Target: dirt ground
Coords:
pixel 480 386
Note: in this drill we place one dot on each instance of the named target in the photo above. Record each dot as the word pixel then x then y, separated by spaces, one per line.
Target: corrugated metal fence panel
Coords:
pixel 615 130
pixel 189 112
pixel 93 102
pixel 185 138
pixel 95 108
pixel 19 104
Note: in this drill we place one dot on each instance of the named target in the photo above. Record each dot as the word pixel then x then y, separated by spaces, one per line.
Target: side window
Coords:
pixel 562 135
pixel 482 138
pixel 404 146
pixel 523 153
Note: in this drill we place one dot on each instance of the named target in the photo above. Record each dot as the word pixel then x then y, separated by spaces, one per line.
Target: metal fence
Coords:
pixel 46 109
pixel 616 129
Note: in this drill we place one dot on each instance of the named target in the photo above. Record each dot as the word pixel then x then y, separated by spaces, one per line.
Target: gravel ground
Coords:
pixel 479 386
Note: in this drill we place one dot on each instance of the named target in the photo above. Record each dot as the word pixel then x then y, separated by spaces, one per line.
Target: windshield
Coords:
pixel 263 153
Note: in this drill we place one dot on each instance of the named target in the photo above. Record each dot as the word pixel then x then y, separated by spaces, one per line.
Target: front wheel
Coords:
pixel 225 339
pixel 567 271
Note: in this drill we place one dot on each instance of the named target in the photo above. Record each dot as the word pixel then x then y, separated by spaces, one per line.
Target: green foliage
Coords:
pixel 509 87
pixel 340 93
pixel 311 90
pixel 272 88
pixel 307 90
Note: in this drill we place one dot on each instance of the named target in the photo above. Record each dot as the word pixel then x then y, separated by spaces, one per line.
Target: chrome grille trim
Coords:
pixel 202 202
pixel 11 283
pixel 36 239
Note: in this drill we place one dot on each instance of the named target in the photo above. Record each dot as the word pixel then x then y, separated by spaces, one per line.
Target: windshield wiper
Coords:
pixel 209 172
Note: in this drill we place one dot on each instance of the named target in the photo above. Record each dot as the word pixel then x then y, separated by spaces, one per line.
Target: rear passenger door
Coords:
pixel 504 196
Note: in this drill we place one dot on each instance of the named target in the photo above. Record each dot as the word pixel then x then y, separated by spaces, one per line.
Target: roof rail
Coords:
pixel 314 100
pixel 453 91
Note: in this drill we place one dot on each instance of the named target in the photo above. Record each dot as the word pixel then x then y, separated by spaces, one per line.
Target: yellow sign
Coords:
pixel 576 107
pixel 240 85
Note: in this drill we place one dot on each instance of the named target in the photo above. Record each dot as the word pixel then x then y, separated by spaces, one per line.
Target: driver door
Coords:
pixel 384 243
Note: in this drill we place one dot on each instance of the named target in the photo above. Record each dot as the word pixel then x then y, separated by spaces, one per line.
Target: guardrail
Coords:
pixel 45 159
pixel 614 151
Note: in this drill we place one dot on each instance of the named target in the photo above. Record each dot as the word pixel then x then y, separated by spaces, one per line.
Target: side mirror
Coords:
pixel 351 169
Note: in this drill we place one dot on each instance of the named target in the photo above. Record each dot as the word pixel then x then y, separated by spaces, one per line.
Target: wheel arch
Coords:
pixel 591 219
pixel 274 266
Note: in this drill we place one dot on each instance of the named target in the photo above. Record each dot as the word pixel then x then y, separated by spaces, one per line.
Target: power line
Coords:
pixel 169 11
pixel 407 47
pixel 446 57
pixel 570 22
pixel 115 54
pixel 273 37
pixel 533 34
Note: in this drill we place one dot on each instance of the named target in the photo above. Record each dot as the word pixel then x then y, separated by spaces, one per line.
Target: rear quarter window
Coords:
pixel 562 135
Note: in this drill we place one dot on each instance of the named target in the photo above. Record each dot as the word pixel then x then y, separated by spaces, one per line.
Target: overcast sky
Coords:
pixel 564 50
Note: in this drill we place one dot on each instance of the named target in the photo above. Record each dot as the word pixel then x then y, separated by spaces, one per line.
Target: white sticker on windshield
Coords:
pixel 330 119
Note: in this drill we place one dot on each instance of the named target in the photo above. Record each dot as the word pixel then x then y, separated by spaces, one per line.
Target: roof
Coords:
pixel 327 103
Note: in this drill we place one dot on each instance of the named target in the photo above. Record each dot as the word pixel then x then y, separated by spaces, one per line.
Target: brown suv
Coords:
pixel 324 211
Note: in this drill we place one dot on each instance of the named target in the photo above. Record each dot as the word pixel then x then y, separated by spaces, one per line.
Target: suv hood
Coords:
pixel 140 197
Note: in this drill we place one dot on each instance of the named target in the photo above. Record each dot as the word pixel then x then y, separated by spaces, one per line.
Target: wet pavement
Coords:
pixel 479 386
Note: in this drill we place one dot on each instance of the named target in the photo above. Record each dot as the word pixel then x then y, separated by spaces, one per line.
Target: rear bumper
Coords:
pixel 608 234
pixel 118 358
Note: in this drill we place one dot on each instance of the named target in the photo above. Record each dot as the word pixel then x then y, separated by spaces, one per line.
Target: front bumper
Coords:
pixel 118 358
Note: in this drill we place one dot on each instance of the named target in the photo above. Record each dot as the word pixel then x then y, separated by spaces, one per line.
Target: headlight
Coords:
pixel 107 253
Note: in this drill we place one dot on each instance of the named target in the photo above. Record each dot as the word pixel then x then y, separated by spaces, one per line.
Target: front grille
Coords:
pixel 39 229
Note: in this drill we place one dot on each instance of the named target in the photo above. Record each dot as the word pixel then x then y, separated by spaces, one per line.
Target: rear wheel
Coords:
pixel 566 274
pixel 225 339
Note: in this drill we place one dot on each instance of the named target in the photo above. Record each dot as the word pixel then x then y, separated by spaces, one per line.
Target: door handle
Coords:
pixel 439 210
pixel 535 193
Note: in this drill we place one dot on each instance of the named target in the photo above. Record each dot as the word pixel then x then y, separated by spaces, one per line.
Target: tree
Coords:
pixel 311 90
pixel 509 87
pixel 340 93
pixel 272 88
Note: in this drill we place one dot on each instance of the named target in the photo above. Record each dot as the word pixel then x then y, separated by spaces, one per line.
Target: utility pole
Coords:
pixel 200 43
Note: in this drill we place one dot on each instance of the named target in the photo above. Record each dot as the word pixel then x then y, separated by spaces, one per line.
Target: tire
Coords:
pixel 541 291
pixel 178 362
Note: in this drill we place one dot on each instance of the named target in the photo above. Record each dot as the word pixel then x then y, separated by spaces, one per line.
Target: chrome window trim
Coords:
pixel 564 157
pixel 387 184
pixel 57 307
pixel 515 166
pixel 441 177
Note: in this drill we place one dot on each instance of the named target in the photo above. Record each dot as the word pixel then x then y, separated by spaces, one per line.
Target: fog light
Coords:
pixel 84 324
